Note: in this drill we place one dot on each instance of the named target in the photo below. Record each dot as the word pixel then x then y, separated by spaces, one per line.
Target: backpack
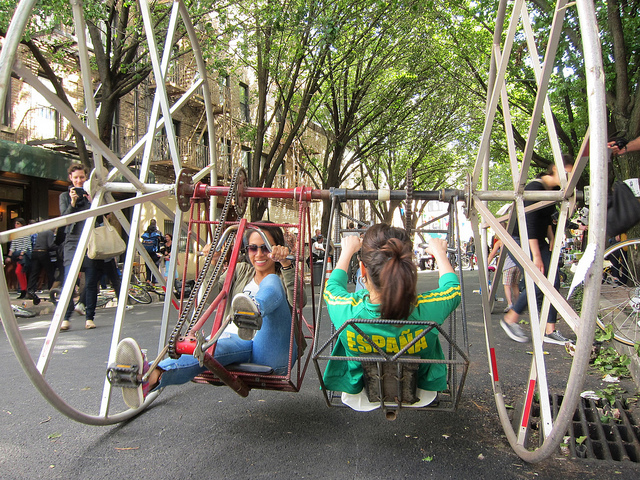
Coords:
pixel 151 241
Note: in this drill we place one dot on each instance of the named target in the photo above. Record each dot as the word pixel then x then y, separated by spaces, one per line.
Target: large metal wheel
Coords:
pixel 97 404
pixel 536 436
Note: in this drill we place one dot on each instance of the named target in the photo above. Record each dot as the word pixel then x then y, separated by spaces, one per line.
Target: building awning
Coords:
pixel 44 163
pixel 34 161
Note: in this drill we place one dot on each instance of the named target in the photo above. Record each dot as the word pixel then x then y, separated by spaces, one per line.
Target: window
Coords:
pixel 223 86
pixel 245 113
pixel 162 144
pixel 225 154
pixel 246 157
pixel 116 130
pixel 176 127
pixel 182 243
pixel 45 121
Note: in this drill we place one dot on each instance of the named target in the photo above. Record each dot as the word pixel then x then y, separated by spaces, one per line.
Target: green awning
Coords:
pixel 44 163
pixel 34 161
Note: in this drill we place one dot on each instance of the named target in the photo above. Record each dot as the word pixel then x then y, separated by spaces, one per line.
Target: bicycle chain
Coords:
pixel 408 224
pixel 214 278
pixel 177 330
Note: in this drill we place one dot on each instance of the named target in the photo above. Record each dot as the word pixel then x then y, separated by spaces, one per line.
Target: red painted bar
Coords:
pixel 527 405
pixel 494 364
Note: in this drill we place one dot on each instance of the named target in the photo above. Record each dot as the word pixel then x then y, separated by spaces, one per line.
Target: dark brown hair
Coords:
pixel 76 166
pixel 387 252
pixel 567 160
pixel 275 232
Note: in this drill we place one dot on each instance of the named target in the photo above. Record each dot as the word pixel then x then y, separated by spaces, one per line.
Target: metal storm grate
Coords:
pixel 606 433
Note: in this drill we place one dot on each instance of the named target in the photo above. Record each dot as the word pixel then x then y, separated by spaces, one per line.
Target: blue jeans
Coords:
pixel 269 347
pixel 521 304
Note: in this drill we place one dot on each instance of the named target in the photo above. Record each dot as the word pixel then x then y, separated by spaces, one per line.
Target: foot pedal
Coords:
pixel 248 324
pixel 246 316
pixel 123 376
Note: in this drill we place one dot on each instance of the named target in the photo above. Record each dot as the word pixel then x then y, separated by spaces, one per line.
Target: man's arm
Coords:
pixel 632 146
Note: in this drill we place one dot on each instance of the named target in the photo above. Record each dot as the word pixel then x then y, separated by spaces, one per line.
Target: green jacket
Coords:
pixel 436 306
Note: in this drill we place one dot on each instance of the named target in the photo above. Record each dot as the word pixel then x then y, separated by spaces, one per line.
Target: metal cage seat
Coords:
pixel 202 305
pixel 390 381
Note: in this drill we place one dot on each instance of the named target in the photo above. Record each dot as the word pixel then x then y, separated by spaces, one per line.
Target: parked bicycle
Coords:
pixel 137 293
pixel 620 292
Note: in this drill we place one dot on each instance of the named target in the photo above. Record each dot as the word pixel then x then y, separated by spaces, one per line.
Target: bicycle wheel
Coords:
pixel 43 354
pixel 547 393
pixel 102 300
pixel 54 295
pixel 465 261
pixel 139 294
pixel 620 292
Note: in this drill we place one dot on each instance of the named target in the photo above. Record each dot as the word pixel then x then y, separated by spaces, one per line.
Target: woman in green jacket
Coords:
pixel 390 278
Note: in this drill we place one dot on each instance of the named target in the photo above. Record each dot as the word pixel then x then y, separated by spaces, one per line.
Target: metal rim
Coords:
pixel 553 423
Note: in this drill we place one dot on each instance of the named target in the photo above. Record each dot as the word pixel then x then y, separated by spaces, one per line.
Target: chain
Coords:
pixel 177 330
pixel 408 207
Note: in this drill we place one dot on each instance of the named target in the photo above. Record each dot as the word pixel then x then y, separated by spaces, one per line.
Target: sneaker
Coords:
pixel 507 308
pixel 514 331
pixel 129 355
pixel 79 308
pixel 246 315
pixel 66 325
pixel 557 338
pixel 89 324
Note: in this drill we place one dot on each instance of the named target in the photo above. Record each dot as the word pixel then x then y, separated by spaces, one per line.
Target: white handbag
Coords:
pixel 105 243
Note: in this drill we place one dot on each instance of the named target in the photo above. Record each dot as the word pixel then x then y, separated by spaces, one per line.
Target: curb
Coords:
pixel 634 366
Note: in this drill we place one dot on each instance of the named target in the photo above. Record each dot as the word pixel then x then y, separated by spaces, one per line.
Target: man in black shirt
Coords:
pixel 541 233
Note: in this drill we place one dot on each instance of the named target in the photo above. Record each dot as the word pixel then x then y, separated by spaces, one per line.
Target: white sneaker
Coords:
pixel 246 315
pixel 80 309
pixel 129 355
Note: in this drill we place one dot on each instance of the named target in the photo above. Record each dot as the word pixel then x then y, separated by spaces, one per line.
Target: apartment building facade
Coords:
pixel 37 144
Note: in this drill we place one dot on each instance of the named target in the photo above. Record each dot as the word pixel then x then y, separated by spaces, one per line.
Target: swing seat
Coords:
pixel 250 368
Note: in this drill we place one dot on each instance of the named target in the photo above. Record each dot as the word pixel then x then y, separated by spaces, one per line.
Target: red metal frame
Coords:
pixel 242 382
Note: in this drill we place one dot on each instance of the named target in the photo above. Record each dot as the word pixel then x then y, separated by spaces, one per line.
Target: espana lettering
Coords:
pixel 357 343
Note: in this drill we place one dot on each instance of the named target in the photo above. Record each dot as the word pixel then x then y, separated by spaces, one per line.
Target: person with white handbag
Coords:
pixel 104 244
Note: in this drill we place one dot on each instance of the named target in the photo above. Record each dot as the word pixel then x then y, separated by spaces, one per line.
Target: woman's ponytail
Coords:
pixel 387 254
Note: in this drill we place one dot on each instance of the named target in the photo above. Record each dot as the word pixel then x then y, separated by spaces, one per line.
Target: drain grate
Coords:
pixel 603 436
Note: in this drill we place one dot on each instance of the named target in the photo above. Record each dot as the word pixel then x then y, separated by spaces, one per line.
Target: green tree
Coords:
pixel 120 51
pixel 386 104
pixel 621 54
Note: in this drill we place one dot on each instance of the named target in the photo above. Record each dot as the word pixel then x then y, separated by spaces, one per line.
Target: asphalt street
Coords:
pixel 200 431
